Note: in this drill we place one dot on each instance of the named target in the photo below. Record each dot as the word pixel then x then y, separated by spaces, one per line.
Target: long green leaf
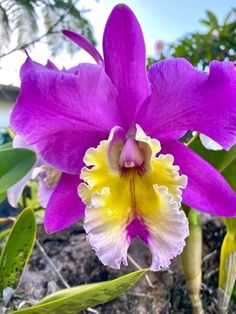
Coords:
pixel 17 249
pixel 73 300
pixel 15 163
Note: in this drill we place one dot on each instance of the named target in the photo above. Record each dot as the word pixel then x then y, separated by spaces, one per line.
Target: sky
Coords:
pixel 165 20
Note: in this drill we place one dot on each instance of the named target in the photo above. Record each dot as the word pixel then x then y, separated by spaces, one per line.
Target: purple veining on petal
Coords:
pixel 137 228
pixel 64 207
pixel 184 98
pixel 125 60
pixel 207 190
pixel 85 44
pixel 63 114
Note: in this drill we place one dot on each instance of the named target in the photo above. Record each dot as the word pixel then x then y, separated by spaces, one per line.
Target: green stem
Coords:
pixel 192 261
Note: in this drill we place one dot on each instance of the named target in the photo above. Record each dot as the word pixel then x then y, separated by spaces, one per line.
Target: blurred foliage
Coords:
pixel 25 17
pixel 218 42
pixel 4 136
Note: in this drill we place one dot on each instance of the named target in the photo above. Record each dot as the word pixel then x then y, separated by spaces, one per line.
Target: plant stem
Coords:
pixel 192 261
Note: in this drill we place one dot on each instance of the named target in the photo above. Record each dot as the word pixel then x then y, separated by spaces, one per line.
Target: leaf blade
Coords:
pixel 88 296
pixel 17 249
pixel 15 163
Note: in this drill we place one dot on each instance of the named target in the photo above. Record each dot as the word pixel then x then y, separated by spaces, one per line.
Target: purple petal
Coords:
pixel 125 60
pixel 184 98
pixel 84 43
pixel 62 114
pixel 51 65
pixel 207 190
pixel 137 228
pixel 64 207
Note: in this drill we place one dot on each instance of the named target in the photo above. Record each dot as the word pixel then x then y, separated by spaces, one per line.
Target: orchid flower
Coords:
pixel 113 129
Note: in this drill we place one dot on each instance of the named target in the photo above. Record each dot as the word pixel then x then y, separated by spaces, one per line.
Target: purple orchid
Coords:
pixel 113 129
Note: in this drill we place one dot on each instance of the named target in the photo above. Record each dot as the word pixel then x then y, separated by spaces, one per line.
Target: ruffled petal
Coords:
pixel 207 190
pixel 121 206
pixel 125 59
pixel 106 231
pixel 64 207
pixel 85 44
pixel 62 113
pixel 184 98
pixel 167 229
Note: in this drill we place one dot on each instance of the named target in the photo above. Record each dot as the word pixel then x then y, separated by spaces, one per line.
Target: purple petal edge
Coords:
pixel 57 110
pixel 207 190
pixel 85 44
pixel 184 98
pixel 64 207
pixel 125 60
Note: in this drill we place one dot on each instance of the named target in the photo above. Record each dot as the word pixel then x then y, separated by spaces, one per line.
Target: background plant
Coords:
pixel 33 21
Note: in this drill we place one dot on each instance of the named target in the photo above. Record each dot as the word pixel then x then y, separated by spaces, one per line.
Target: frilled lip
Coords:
pixel 63 113
pixel 120 208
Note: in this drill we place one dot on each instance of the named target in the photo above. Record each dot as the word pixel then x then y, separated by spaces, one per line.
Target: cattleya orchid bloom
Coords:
pixel 47 176
pixel 113 129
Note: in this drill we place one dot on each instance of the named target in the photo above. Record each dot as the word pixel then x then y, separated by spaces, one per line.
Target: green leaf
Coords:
pixel 222 160
pixel 4 233
pixel 212 19
pixel 15 163
pixel 227 273
pixel 6 146
pixel 79 298
pixel 17 249
pixel 3 195
pixel 230 224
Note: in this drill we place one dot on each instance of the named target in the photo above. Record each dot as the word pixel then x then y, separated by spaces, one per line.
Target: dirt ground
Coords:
pixel 78 264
